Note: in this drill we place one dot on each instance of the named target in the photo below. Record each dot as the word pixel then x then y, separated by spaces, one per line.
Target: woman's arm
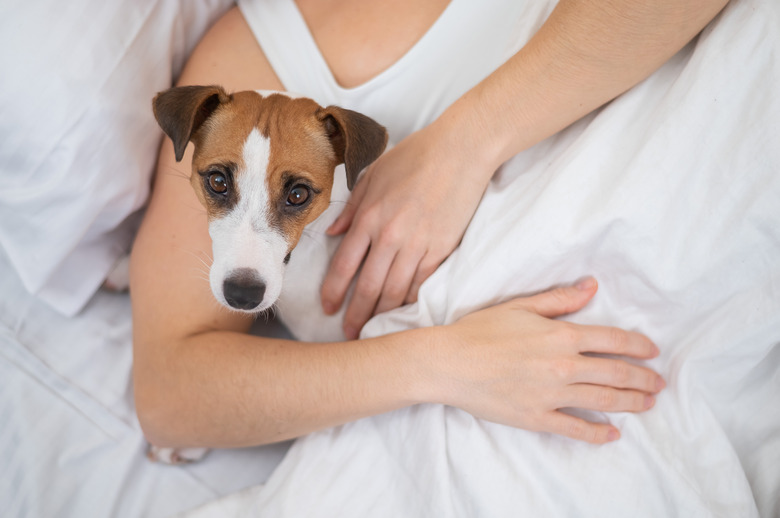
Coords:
pixel 585 54
pixel 200 380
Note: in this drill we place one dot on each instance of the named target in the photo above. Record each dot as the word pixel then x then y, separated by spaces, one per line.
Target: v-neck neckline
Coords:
pixel 382 76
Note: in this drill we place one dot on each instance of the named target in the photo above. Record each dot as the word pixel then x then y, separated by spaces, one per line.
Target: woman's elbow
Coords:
pixel 153 419
pixel 156 409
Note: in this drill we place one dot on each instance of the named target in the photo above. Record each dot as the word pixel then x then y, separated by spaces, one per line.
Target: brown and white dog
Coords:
pixel 263 168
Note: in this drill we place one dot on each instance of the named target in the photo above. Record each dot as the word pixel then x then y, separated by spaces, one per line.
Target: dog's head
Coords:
pixel 263 168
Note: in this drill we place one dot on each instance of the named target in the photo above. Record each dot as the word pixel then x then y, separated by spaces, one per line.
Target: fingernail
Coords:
pixel 660 384
pixel 350 333
pixel 613 435
pixel 649 400
pixel 585 284
pixel 328 308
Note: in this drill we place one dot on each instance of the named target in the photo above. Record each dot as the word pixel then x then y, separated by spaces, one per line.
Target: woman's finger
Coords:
pixel 579 429
pixel 368 288
pixel 560 301
pixel 612 340
pixel 399 280
pixel 606 399
pixel 618 374
pixel 428 265
pixel 343 267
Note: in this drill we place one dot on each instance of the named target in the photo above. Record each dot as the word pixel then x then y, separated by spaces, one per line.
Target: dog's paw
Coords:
pixel 118 278
pixel 175 455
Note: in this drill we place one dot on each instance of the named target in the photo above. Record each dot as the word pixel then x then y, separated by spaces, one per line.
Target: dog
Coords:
pixel 263 169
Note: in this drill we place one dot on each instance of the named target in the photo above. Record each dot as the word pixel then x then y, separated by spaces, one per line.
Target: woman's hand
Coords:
pixel 407 214
pixel 513 365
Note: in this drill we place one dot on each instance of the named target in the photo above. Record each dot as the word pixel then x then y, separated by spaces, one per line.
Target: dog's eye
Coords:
pixel 218 183
pixel 298 195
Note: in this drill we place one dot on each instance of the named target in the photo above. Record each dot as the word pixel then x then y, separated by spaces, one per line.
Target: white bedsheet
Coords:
pixel 70 444
pixel 670 196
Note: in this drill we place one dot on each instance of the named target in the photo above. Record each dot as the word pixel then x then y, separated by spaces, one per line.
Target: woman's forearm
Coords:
pixel 587 53
pixel 508 364
pixel 229 389
pixel 226 389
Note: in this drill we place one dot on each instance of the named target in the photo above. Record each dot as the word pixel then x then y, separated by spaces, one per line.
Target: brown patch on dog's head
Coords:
pixel 301 163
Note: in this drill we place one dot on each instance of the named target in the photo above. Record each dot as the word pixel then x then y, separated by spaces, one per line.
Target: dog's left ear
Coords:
pixel 357 140
pixel 181 110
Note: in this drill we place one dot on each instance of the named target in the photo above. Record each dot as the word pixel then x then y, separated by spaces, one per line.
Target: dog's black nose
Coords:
pixel 243 289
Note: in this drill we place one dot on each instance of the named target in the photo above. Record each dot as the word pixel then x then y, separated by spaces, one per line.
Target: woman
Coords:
pixel 200 380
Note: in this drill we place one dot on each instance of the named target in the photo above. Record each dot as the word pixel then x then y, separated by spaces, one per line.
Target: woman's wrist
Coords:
pixel 551 83
pixel 464 135
pixel 430 353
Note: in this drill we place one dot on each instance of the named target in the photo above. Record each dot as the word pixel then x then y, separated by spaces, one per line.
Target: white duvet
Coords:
pixel 670 196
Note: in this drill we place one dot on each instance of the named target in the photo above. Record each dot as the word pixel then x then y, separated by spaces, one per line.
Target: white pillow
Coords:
pixel 78 141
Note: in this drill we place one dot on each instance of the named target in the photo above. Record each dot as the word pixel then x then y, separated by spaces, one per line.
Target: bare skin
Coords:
pixel 200 380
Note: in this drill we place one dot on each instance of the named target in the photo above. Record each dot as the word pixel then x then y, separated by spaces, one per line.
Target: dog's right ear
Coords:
pixel 181 110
